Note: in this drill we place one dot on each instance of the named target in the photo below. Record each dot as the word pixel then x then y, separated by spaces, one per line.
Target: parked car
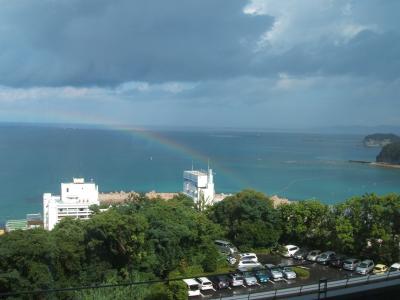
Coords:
pixel 205 283
pixel 248 256
pixel 337 262
pixel 220 282
pixel 193 287
pixel 380 269
pixel 261 275
pixel 236 279
pixel 365 267
pixel 325 257
pixel 312 255
pixel 248 265
pixel 226 247
pixel 289 250
pixel 301 254
pixel 288 273
pixel 395 267
pixel 351 264
pixel 231 259
pixel 274 272
pixel 249 278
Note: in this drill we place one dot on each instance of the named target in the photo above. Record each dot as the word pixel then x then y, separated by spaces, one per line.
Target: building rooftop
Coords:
pixel 78 180
pixel 196 173
pixel 16 224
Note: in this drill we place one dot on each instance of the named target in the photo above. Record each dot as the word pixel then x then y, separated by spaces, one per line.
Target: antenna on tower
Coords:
pixel 192 164
pixel 208 164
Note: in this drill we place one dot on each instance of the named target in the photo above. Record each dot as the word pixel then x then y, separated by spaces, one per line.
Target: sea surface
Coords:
pixel 36 159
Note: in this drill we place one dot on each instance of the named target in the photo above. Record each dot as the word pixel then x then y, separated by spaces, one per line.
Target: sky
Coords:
pixel 187 63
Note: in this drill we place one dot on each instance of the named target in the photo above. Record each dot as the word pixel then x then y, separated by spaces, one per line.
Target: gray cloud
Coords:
pixel 105 43
pixel 70 42
pixel 263 63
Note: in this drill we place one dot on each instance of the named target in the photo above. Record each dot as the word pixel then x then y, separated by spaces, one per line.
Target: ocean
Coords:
pixel 36 159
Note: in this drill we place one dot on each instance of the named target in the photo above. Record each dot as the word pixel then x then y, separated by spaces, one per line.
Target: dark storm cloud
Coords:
pixel 107 43
pixel 97 42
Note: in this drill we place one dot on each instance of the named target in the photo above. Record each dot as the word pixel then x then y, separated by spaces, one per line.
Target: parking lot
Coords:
pixel 317 272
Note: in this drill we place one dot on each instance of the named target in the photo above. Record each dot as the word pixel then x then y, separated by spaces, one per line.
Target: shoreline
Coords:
pixel 376 164
pixel 110 198
pixel 385 165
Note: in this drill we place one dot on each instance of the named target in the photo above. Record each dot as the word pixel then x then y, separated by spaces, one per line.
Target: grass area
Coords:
pixel 302 273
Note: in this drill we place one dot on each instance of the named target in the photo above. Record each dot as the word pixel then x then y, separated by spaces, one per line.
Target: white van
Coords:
pixel 193 287
pixel 289 250
pixel 205 283
pixel 226 247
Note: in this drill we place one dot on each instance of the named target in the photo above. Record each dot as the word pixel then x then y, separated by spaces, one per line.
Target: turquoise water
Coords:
pixel 34 160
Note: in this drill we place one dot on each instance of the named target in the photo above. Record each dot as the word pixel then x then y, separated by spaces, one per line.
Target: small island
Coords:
pixel 390 154
pixel 380 139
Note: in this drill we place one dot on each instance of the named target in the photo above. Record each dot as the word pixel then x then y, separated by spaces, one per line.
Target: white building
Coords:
pixel 75 199
pixel 199 186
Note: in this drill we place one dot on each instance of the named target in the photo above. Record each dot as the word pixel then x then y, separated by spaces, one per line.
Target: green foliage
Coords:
pixel 248 218
pixel 307 223
pixel 155 239
pixel 301 272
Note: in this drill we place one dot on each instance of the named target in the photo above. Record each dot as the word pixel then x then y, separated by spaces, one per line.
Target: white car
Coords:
pixel 248 256
pixel 395 267
pixel 290 250
pixel 248 265
pixel 205 283
pixel 193 287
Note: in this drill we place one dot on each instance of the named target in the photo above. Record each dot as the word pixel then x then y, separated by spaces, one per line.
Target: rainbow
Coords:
pixel 145 134
pixel 174 146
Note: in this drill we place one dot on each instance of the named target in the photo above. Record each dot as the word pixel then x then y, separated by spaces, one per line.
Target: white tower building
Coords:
pixel 75 199
pixel 199 186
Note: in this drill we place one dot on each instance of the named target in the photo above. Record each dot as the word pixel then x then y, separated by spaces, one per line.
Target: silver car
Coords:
pixel 312 255
pixel 351 264
pixel 365 267
pixel 274 272
pixel 236 280
pixel 249 279
pixel 325 257
pixel 288 273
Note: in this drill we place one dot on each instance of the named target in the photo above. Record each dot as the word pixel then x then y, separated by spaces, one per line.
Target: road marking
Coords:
pixel 229 287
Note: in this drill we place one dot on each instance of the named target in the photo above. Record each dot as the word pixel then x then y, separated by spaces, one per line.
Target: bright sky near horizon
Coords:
pixel 227 63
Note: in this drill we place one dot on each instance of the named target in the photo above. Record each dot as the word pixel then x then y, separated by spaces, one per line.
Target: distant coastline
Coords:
pixel 118 197
pixel 376 164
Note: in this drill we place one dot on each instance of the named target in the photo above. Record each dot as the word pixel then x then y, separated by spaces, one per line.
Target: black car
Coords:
pixel 337 262
pixel 301 254
pixel 220 282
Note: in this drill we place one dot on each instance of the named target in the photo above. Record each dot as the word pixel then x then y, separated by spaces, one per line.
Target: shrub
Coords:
pixel 301 272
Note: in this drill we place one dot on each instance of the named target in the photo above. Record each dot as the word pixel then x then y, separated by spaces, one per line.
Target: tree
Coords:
pixel 307 223
pixel 248 218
